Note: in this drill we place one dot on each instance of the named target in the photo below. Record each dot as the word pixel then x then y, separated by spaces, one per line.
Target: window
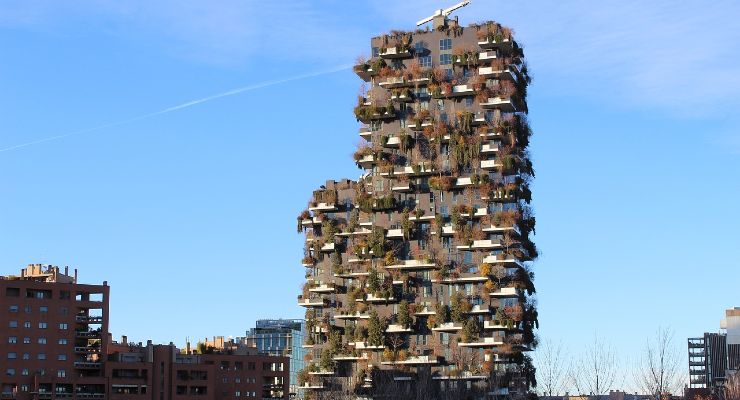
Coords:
pixel 10 371
pixel 26 340
pixel 63 326
pixel 27 309
pixel 42 340
pixel 445 59
pixel 62 341
pixel 62 357
pixel 42 325
pixel 24 388
pixel 12 292
pixel 445 44
pixel 26 356
pixel 63 311
pixel 42 356
pixel 376 51
pixel 12 356
pixel 24 372
pixel 61 373
pixel 468 102
pixel 425 61
pixel 12 340
pixel 13 308
pixel 237 380
pixel 419 47
pixel 27 324
pixel 237 393
pixel 44 309
pixel 13 324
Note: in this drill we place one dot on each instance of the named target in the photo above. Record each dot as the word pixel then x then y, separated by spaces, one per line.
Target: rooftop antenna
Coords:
pixel 443 13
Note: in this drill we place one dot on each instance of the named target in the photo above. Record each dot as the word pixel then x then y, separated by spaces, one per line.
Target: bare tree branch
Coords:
pixel 657 371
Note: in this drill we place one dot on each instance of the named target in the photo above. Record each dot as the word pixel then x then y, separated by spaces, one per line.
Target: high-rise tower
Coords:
pixel 418 279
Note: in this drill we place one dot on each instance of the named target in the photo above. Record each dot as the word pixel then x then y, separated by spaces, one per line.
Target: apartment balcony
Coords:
pixel 503 196
pixel 395 328
pixel 394 234
pixel 411 265
pixel 393 142
pixel 509 261
pixel 460 90
pixel 489 148
pixel 422 125
pixel 497 326
pixel 491 72
pixel 313 303
pixel 91 319
pixel 504 391
pixel 359 232
pixel 88 334
pixel 87 350
pixel 366 161
pixel 477 213
pixel 371 298
pixel 404 187
pixel 366 133
pixel 463 182
pixel 500 103
pixel 393 82
pixel 325 372
pixel 324 207
pixel 423 218
pixel 329 247
pixel 487 55
pixel 448 327
pixel 502 229
pixel 312 386
pixel 483 342
pixel 472 278
pixel 480 309
pixel 311 221
pixel 506 292
pixel 347 357
pixel 415 360
pixel 495 43
pixel 403 96
pixel 87 365
pixel 367 224
pixel 426 311
pixel 395 53
pixel 366 346
pixel 464 376
pixel 323 288
pixel 487 244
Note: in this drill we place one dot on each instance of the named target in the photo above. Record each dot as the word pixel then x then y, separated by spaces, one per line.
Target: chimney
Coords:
pixel 75 275
pixel 124 340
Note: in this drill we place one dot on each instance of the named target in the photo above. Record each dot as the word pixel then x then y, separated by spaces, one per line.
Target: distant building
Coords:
pixel 55 344
pixel 281 337
pixel 731 325
pixel 714 356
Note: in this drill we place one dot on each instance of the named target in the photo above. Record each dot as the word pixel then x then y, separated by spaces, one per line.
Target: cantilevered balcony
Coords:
pixel 87 350
pixel 329 247
pixel 502 229
pixel 501 103
pixel 394 233
pixel 393 82
pixel 395 328
pixel 480 309
pixel 90 319
pixel 505 292
pixel 352 316
pixel 366 346
pixel 323 207
pixel 463 182
pixel 509 261
pixel 495 42
pixel 448 327
pixel 489 148
pixel 466 278
pixel 88 334
pixel 498 326
pixel 87 365
pixel 486 244
pixel 311 221
pixel 403 187
pixel 366 133
pixel 312 303
pixel 483 342
pixel 350 357
pixel 460 90
pixel 323 288
pixel 425 311
pixel 413 265
pixel 462 376
pixel 396 52
pixel 371 298
pixel 487 55
pixel 498 73
pixel 366 161
pixel 313 386
pixel 323 372
pixel 415 360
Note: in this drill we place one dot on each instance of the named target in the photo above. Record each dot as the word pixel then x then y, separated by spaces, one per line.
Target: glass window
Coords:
pixel 445 44
pixel 468 102
pixel 62 357
pixel 42 356
pixel 42 340
pixel 12 340
pixel 61 373
pixel 10 371
pixel 376 51
pixel 12 356
pixel 445 59
pixel 26 340
pixel 43 309
pixel 62 341
pixel 63 326
pixel 42 325
pixel 419 47
pixel 13 308
pixel 24 372
pixel 13 324
pixel 26 356
pixel 425 61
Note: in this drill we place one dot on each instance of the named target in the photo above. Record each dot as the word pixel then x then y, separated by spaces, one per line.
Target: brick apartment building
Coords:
pixel 55 344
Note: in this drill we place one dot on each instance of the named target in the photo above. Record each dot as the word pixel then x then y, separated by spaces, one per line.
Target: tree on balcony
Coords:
pixel 374 330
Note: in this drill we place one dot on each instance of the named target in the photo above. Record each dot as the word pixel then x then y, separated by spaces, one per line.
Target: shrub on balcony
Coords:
pixel 374 330
pixel 404 317
pixel 471 330
pixel 441 182
pixel 442 313
pixel 459 307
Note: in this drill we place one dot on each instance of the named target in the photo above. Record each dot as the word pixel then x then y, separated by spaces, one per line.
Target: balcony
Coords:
pixel 501 103
pixel 487 56
pixel 479 212
pixel 323 207
pixel 395 53
pixel 366 346
pixel 311 221
pixel 393 82
pixel 464 376
pixel 490 164
pixel 497 326
pixel 404 187
pixel 323 288
pixel 349 357
pixel 483 342
pixel 371 298
pixel 487 244
pixel 395 328
pixel 361 231
pixel 87 350
pixel 416 360
pixel 448 327
pixel 312 303
pixel 88 334
pixel 425 311
pixel 462 182
pixel 312 386
pixel 460 90
pixel 470 278
pixel 490 72
pixel 91 319
pixel 509 261
pixel 87 365
pixel 502 229
pixel 411 265
pixel 480 309
pixel 322 373
pixel 329 247
pixel 510 292
pixel 495 42
pixel 357 315
pixel 489 148
pixel 366 133
pixel 394 234
pixel 366 161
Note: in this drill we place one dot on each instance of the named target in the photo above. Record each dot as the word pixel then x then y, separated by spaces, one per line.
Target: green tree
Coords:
pixel 404 318
pixel 374 330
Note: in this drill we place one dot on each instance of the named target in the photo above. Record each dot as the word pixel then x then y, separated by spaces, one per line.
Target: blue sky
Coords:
pixel 190 215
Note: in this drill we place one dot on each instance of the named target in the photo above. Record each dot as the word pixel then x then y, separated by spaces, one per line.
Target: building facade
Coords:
pixel 707 360
pixel 281 337
pixel 55 344
pixel 418 274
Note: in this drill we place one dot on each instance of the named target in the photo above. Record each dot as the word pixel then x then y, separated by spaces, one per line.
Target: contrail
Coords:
pixel 177 107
